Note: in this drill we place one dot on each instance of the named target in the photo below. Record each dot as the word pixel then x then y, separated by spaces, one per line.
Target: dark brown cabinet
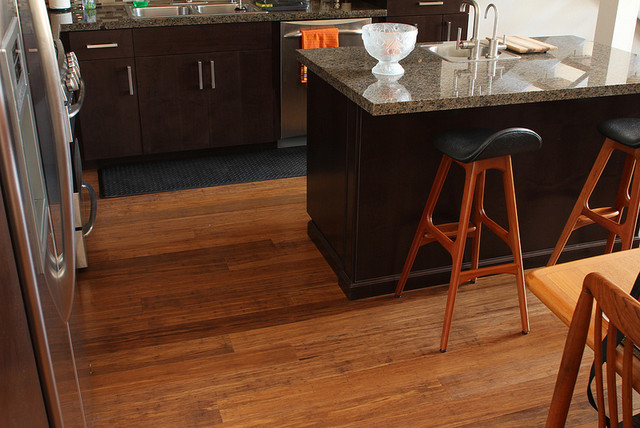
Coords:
pixel 198 101
pixel 109 119
pixel 173 110
pixel 436 20
pixel 181 88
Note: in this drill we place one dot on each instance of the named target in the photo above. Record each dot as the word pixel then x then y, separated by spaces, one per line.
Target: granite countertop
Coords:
pixel 577 69
pixel 113 15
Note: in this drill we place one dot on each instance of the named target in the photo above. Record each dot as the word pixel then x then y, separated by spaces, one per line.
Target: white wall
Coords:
pixel 541 17
pixel 617 21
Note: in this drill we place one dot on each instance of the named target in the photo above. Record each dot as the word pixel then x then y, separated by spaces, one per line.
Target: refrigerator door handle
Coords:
pixel 66 270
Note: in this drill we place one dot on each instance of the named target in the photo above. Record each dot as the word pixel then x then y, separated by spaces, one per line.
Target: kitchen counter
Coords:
pixel 110 16
pixel 577 69
pixel 370 171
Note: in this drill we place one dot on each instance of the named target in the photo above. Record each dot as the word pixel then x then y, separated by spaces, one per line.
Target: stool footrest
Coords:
pixel 449 230
pixel 470 274
pixel 589 216
pixel 495 228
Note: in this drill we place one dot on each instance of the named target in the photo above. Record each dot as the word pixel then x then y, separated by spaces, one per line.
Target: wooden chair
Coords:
pixel 476 150
pixel 623 312
pixel 623 135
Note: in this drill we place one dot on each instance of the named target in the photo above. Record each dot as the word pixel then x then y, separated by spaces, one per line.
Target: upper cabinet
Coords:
pixel 437 20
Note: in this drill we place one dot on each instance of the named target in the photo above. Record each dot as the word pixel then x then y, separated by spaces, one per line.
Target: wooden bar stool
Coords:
pixel 624 135
pixel 476 150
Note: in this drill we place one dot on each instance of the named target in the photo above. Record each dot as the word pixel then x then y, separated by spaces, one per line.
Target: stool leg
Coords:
pixel 458 250
pixel 477 220
pixel 631 222
pixel 583 199
pixel 622 199
pixel 429 207
pixel 514 237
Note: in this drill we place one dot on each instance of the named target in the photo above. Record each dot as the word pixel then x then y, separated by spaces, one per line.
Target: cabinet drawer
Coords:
pixel 104 44
pixel 202 38
pixel 422 7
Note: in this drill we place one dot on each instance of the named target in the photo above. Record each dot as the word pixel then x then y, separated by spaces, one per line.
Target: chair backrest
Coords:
pixel 623 312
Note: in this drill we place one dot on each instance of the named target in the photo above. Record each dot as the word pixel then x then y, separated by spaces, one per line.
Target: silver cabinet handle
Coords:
pixel 130 76
pixel 213 75
pixel 103 46
pixel 448 31
pixel 430 3
pixel 200 84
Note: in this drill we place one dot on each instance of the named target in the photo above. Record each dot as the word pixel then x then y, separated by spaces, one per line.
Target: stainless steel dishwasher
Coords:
pixel 293 93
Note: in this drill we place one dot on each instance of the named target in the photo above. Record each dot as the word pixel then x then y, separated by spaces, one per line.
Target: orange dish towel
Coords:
pixel 314 38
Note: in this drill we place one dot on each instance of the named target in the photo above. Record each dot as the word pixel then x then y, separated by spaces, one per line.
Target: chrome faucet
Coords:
pixel 493 42
pixel 473 43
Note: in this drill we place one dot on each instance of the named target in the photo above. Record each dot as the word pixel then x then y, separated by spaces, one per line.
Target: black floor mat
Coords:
pixel 165 176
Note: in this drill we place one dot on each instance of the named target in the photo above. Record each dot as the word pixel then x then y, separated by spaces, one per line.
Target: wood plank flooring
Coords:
pixel 211 307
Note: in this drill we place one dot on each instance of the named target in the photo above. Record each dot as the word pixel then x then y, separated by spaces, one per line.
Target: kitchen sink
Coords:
pixel 164 10
pixel 448 52
pixel 217 8
pixel 159 11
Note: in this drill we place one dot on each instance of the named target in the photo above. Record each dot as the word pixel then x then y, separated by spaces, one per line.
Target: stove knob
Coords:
pixel 72 82
pixel 71 57
pixel 72 62
pixel 75 71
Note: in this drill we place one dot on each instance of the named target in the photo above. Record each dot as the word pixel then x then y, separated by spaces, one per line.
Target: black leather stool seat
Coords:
pixel 471 144
pixel 623 130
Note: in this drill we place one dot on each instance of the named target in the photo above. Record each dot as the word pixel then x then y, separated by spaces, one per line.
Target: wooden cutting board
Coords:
pixel 523 44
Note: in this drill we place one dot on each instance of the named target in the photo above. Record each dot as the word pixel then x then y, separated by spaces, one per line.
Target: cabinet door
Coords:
pixel 173 103
pixel 109 119
pixel 224 104
pixel 435 28
pixel 429 26
pixel 242 100
pixel 259 94
pixel 451 23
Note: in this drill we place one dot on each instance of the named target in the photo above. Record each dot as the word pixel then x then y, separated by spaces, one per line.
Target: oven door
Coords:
pixel 85 201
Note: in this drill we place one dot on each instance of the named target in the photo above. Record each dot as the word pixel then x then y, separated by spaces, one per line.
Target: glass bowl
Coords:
pixel 389 42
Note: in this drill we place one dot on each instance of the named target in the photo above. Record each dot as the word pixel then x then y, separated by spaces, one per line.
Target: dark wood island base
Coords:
pixel 369 176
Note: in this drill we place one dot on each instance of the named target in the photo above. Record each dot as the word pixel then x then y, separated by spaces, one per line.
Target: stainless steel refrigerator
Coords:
pixel 38 370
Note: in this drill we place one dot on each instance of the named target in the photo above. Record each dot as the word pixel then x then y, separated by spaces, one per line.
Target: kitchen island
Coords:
pixel 371 164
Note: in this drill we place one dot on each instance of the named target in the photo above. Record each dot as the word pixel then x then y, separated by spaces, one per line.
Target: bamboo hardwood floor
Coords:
pixel 211 307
